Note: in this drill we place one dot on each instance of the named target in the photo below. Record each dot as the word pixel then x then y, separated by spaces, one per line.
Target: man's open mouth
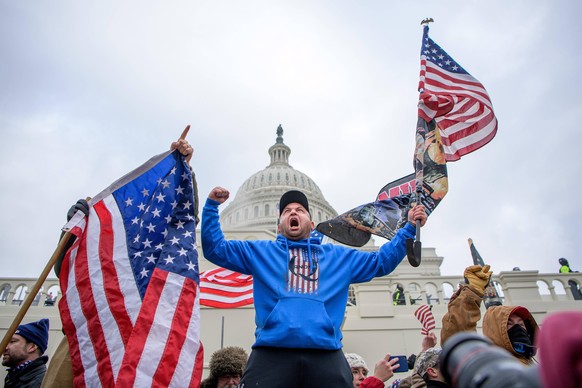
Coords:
pixel 293 222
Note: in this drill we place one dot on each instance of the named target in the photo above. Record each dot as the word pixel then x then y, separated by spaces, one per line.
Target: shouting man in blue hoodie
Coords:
pixel 300 291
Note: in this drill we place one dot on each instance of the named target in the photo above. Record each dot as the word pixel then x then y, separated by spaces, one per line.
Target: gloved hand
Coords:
pixel 478 277
pixel 81 205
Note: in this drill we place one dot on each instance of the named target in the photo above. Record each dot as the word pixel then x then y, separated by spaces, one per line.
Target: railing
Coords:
pixel 512 285
pixel 433 290
pixel 13 292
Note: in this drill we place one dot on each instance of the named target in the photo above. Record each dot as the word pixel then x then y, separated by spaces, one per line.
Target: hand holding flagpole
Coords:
pixel 414 248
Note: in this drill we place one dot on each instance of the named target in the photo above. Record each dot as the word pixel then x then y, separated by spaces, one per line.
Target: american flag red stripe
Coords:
pixel 457 101
pixel 223 288
pixel 133 319
pixel 426 318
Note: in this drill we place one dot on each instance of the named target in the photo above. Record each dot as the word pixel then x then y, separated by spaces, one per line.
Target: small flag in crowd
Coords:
pixel 456 100
pixel 130 305
pixel 223 288
pixel 424 315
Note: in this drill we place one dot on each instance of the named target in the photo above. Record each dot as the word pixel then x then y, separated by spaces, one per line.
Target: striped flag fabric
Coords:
pixel 426 318
pixel 223 288
pixel 130 306
pixel 457 101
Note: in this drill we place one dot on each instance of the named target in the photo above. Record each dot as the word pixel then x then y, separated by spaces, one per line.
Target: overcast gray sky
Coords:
pixel 89 91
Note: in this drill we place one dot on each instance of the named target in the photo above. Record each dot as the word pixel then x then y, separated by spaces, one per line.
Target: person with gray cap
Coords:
pixel 427 366
pixel 300 289
pixel 24 355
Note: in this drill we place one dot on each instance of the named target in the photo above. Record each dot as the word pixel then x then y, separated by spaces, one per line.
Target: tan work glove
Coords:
pixel 478 277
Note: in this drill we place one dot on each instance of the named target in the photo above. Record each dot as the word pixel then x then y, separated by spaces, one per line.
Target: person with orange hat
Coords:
pixel 510 327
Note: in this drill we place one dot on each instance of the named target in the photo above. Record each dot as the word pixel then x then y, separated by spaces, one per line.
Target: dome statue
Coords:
pixel 256 203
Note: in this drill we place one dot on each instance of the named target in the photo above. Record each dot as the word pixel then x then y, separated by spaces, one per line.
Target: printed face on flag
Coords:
pixel 430 164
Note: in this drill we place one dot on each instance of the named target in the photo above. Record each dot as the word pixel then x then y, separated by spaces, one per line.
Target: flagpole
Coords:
pixel 414 247
pixel 34 291
pixel 222 333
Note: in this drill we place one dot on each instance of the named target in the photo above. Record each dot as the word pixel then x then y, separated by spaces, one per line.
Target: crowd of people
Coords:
pixel 294 274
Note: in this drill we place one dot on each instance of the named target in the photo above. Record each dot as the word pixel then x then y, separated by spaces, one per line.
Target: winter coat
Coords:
pixel 372 382
pixel 495 327
pixel 30 376
pixel 464 311
pixel 414 380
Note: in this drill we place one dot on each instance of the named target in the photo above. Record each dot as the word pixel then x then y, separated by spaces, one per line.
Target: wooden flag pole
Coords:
pixel 35 289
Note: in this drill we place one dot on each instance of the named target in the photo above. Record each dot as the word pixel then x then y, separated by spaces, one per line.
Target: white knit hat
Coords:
pixel 356 361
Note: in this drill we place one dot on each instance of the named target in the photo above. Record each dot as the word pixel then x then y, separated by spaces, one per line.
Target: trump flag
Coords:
pixel 130 305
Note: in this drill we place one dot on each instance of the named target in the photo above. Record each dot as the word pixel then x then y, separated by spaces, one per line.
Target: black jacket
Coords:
pixel 29 377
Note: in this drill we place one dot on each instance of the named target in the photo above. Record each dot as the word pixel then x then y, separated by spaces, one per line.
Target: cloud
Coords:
pixel 91 91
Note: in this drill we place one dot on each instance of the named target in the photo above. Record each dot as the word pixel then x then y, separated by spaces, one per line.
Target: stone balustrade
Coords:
pixel 373 325
pixel 514 287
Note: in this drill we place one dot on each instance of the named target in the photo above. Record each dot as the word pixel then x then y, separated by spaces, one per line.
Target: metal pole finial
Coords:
pixel 426 21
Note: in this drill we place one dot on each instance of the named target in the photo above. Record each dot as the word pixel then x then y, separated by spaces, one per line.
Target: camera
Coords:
pixel 470 361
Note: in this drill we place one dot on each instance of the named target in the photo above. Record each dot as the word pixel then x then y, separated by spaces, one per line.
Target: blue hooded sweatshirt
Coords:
pixel 300 288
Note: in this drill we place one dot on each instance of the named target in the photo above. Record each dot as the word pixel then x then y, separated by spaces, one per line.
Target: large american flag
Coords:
pixel 223 288
pixel 457 102
pixel 130 306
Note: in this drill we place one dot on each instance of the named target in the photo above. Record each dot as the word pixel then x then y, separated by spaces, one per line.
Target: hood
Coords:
pixel 495 326
pixel 284 241
pixel 310 244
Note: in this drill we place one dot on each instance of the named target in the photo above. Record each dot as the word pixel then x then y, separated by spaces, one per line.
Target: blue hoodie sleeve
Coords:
pixel 231 254
pixel 383 262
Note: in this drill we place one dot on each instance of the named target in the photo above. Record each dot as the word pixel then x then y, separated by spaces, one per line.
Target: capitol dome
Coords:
pixel 256 204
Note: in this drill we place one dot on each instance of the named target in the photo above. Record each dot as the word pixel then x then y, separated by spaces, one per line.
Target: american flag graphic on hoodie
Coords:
pixel 303 274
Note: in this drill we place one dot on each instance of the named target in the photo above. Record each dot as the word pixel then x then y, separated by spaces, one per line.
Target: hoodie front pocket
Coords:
pixel 298 322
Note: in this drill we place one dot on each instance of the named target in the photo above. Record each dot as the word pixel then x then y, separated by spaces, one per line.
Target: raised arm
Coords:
pixel 464 308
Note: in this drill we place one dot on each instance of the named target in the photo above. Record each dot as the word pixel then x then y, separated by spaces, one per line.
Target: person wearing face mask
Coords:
pixel 300 290
pixel 510 327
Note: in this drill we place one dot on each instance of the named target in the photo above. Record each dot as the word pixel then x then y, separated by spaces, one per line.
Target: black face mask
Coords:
pixel 521 341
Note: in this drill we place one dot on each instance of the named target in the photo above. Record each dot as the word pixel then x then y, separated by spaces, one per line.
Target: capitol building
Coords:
pixel 373 325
